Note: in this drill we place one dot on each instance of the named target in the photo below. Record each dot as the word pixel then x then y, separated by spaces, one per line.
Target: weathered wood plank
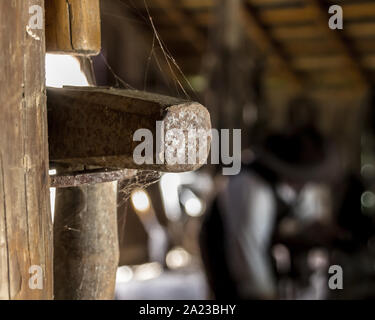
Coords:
pixel 95 126
pixel 304 32
pixel 308 13
pixel 25 220
pixel 73 26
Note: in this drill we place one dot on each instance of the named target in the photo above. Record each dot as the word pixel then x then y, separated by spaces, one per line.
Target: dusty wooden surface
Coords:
pixel 73 26
pixel 86 242
pixel 25 220
pixel 95 126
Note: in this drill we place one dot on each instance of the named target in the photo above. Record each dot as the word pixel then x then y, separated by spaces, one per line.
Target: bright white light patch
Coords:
pixel 194 207
pixel 52 198
pixel 147 271
pixel 64 70
pixel 124 274
pixel 169 184
pixel 140 200
pixel 52 194
pixel 368 199
pixel 178 258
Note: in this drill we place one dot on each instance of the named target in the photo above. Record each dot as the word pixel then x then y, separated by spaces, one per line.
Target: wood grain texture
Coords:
pixel 73 26
pixel 25 220
pixel 86 242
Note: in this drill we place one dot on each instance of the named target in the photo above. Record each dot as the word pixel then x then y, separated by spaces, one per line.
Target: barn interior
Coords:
pixel 295 221
pixel 245 61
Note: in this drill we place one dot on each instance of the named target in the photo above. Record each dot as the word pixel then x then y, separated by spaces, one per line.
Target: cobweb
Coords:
pixel 142 180
pixel 168 67
pixel 165 62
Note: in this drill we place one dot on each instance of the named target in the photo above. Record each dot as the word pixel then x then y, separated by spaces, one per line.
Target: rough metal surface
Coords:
pixel 75 179
pixel 95 126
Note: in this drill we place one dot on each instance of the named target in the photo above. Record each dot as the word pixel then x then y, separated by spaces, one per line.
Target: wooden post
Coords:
pixel 73 26
pixel 86 242
pixel 25 220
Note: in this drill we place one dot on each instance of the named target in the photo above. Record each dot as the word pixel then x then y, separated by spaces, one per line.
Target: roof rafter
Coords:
pixel 339 38
pixel 258 34
pixel 185 25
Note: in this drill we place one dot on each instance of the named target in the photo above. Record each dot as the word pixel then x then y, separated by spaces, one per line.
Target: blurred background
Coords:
pixel 303 96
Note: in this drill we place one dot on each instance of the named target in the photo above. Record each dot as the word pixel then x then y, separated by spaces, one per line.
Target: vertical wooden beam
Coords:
pixel 86 242
pixel 25 220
